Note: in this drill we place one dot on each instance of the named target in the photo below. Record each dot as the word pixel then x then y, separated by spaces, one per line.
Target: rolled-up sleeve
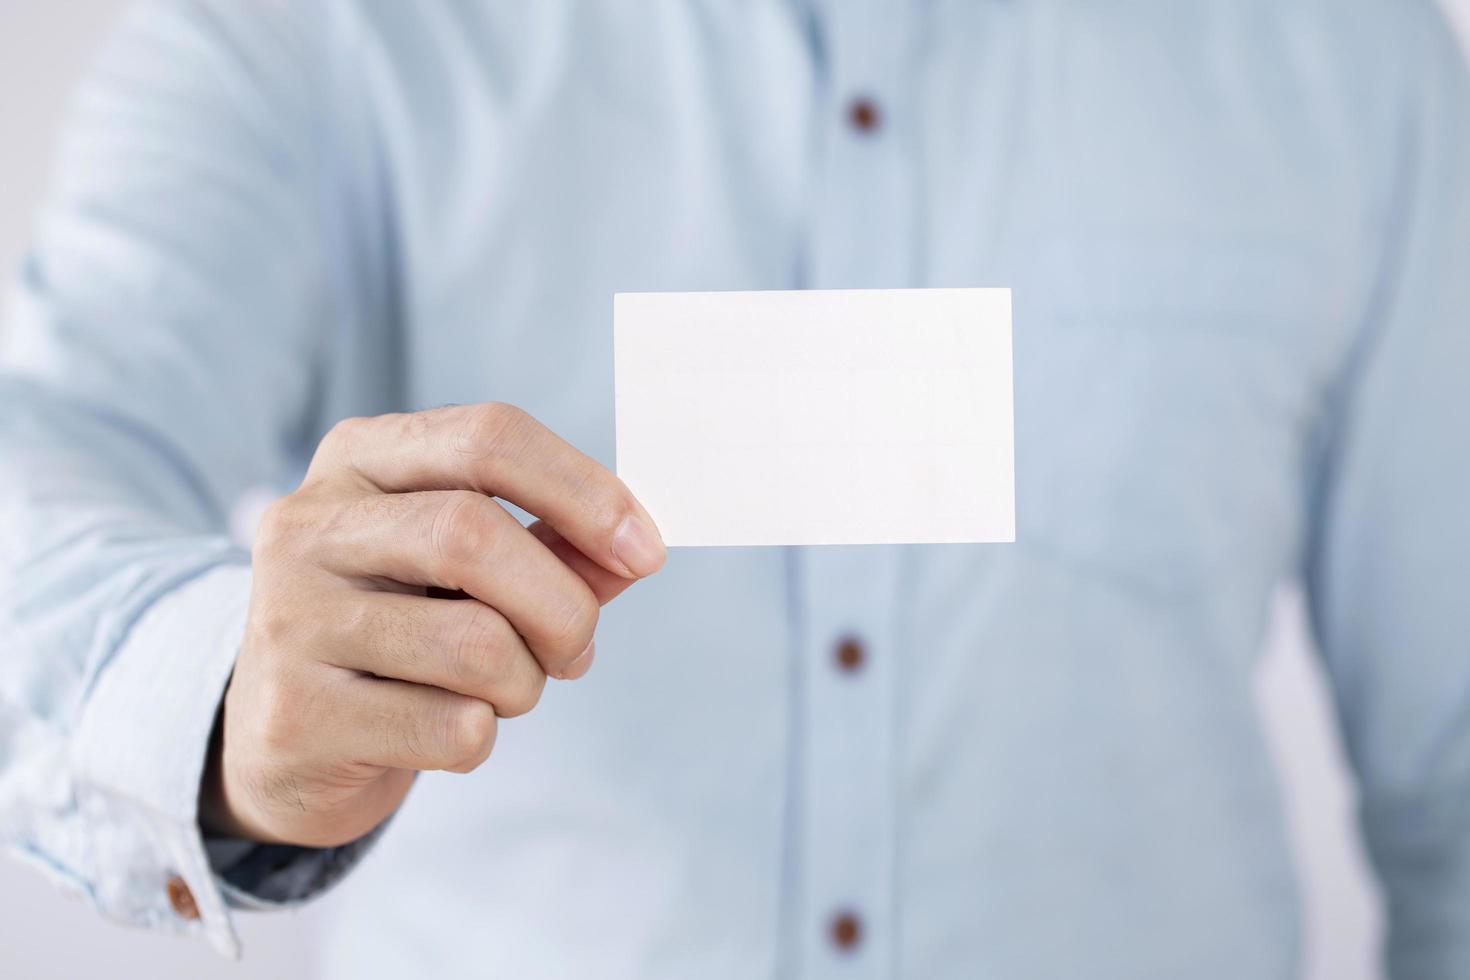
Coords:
pixel 1389 566
pixel 159 360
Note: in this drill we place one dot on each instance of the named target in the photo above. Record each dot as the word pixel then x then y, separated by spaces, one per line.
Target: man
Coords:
pixel 1237 237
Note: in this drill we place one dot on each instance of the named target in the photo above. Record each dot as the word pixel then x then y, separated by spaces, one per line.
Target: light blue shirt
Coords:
pixel 1239 241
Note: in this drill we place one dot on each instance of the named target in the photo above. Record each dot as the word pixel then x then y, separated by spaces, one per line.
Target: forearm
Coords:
pixel 122 609
pixel 156 363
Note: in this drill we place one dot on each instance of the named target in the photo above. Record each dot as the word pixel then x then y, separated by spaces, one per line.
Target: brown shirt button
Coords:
pixel 863 115
pixel 182 899
pixel 850 655
pixel 846 931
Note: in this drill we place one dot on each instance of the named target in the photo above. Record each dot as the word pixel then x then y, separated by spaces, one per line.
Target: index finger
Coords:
pixel 500 450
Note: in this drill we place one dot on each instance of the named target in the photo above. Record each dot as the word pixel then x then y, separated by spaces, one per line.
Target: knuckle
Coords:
pixel 574 623
pixel 291 525
pixel 288 623
pixel 471 727
pixel 478 638
pixel 484 664
pixel 492 429
pixel 343 434
pixel 272 627
pixel 519 697
pixel 343 444
pixel 278 714
pixel 462 529
pixel 503 414
pixel 278 525
pixel 408 739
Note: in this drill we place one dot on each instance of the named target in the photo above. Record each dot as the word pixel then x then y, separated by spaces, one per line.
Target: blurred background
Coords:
pixel 44 44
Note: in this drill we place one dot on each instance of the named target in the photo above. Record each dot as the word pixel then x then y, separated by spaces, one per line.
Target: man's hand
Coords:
pixel 353 674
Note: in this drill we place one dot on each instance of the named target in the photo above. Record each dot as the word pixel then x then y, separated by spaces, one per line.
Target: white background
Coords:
pixel 44 934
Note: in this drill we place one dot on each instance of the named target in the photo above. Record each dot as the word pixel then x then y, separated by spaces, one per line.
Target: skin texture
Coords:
pixel 397 611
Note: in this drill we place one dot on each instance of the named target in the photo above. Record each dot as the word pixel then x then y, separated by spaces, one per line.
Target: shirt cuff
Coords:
pixel 276 876
pixel 139 753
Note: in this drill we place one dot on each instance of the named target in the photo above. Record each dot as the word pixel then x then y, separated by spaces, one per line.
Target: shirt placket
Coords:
pixel 847 908
pixel 862 234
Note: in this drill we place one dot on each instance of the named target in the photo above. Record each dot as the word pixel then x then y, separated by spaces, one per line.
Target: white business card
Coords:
pixel 864 416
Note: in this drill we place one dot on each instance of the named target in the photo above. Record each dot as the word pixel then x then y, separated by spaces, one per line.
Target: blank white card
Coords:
pixel 879 416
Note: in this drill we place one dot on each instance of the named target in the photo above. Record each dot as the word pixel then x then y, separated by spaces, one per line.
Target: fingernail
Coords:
pixel 581 665
pixel 637 545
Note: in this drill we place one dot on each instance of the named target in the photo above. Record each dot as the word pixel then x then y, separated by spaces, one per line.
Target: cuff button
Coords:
pixel 182 899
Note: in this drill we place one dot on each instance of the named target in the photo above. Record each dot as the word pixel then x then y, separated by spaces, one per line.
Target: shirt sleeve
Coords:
pixel 159 360
pixel 1388 573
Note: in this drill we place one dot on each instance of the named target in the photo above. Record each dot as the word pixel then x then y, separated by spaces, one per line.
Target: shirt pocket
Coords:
pixel 1163 382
